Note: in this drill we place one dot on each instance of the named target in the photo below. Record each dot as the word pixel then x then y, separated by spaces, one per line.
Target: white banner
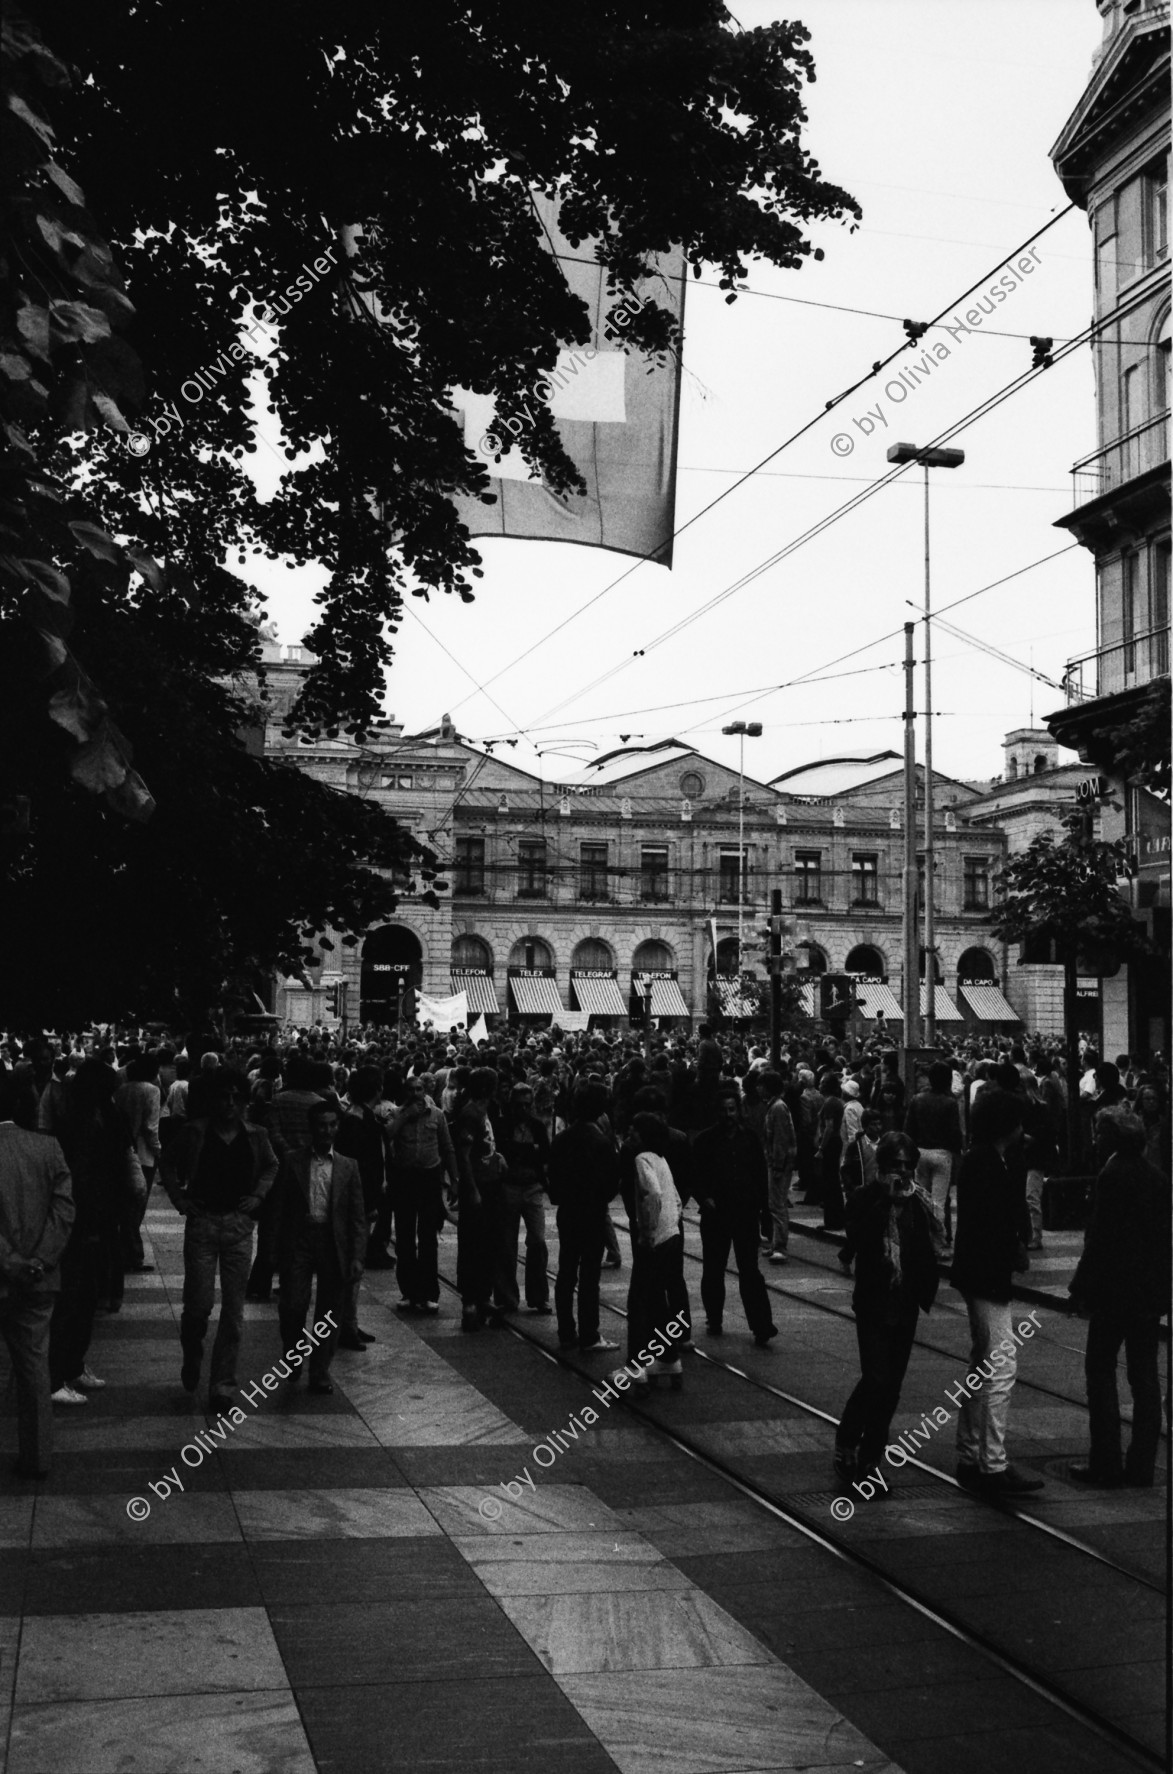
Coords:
pixel 571 1021
pixel 444 1014
pixel 479 1031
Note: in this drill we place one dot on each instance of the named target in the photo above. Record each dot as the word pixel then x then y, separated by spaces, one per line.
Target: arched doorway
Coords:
pixel 977 965
pixel 816 960
pixel 866 959
pixel 392 964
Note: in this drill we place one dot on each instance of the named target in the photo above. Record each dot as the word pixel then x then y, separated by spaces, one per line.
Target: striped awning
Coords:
pixel 944 1008
pixel 731 1001
pixel 599 997
pixel 810 998
pixel 988 1004
pixel 480 991
pixel 535 995
pixel 876 997
pixel 667 998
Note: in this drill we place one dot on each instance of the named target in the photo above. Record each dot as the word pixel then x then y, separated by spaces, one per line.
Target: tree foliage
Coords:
pixel 225 152
pixel 1139 749
pixel 1067 892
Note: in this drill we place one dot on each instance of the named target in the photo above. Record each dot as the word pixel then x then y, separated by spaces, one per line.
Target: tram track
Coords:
pixel 807 1514
pixel 780 1289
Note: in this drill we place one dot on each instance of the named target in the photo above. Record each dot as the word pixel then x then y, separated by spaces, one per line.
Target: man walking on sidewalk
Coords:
pixel 322 1231
pixel 730 1171
pixel 217 1174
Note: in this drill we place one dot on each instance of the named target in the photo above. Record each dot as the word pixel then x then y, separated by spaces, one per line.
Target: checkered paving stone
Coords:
pixel 341 1584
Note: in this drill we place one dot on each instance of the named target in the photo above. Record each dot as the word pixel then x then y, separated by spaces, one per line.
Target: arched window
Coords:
pixel 866 959
pixel 531 951
pixel 472 951
pixel 977 964
pixel 1040 763
pixel 727 955
pixel 593 955
pixel 1013 769
pixel 653 957
pixel 816 959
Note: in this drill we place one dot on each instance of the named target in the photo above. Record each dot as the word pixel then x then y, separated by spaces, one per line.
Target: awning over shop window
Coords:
pixel 731 1000
pixel 667 998
pixel 875 997
pixel 944 1009
pixel 988 1004
pixel 599 996
pixel 810 998
pixel 482 996
pixel 534 995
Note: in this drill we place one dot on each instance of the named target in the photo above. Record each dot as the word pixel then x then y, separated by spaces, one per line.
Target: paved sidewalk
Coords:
pixel 341 1584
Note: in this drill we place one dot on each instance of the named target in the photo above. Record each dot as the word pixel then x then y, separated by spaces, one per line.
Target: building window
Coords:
pixel 977 884
pixel 1129 571
pixel 592 871
pixel 692 785
pixel 865 877
pixel 653 873
pixel 473 953
pixel 531 868
pixel 731 876
pixel 1106 240
pixel 808 875
pixel 470 865
pixel 1156 213
pixel 1159 608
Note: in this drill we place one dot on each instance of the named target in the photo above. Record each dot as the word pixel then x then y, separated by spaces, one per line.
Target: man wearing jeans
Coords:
pixel 217 1174
pixel 933 1122
pixel 781 1147
pixel 993 1231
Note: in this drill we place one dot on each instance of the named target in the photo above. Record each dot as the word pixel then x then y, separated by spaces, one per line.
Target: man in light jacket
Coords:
pixel 36 1213
pixel 321 1230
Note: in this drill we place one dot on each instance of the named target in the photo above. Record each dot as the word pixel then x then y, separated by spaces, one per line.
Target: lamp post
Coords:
pixel 754 731
pixel 928 458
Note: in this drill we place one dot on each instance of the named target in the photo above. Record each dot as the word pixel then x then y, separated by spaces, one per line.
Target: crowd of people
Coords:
pixel 306 1159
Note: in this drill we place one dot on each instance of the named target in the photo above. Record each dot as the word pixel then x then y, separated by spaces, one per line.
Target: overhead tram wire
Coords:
pixel 817 674
pixel 989 405
pixel 749 473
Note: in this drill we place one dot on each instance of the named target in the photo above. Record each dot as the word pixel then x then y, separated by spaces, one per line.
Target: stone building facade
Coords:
pixel 583 894
pixel 1113 160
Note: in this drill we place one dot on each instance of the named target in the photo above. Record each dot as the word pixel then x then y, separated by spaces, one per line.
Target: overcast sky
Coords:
pixel 937 115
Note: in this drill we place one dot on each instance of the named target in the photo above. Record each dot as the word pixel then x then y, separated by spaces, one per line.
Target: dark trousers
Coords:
pixel 655 1270
pixel 581 1243
pixel 834 1215
pixel 475 1250
pixel 419 1214
pixel 264 1267
pixel 611 1241
pixel 312 1253
pixel 133 1213
pixel 723 1229
pixel 73 1310
pixel 211 1242
pixel 24 1325
pixel 1106 1331
pixel 520 1202
pixel 884 1350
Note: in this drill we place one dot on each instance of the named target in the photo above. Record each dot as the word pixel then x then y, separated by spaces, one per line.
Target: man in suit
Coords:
pixel 322 1231
pixel 36 1213
pixel 217 1174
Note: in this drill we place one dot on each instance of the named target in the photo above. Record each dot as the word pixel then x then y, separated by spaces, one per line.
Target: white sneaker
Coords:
pixel 67 1395
pixel 87 1382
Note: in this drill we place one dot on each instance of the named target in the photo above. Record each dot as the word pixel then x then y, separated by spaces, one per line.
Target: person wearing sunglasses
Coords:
pixel 895 1235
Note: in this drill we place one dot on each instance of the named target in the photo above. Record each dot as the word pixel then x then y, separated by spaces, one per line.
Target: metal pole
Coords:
pixel 930 907
pixel 911 967
pixel 776 978
pixel 740 853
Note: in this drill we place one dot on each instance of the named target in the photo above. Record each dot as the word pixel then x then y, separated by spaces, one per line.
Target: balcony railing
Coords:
pixel 1134 661
pixel 1145 447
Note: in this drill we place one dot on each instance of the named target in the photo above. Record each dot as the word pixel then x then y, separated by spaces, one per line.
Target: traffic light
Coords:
pixel 1042 348
pixel 336 998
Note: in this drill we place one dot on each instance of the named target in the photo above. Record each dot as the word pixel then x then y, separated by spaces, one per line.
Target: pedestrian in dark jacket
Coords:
pixel 1123 1283
pixel 895 1235
pixel 933 1122
pixel 583 1179
pixel 993 1231
pixel 731 1184
pixel 525 1147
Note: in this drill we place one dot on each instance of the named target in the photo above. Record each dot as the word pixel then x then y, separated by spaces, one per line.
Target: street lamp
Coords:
pixel 928 458
pixel 752 730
